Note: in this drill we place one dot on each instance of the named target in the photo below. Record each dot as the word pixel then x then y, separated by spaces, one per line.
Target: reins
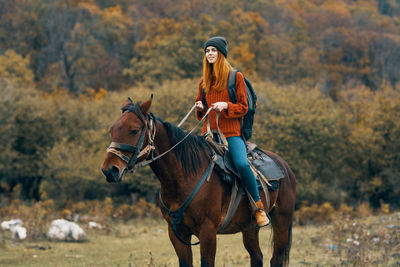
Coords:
pixel 146 162
pixel 187 116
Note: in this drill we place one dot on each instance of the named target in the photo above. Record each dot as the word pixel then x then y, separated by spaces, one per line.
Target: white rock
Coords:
pixel 7 225
pixel 65 230
pixel 15 227
pixel 95 225
pixel 19 232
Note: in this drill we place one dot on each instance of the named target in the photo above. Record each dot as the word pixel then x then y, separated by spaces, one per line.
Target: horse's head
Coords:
pixel 129 141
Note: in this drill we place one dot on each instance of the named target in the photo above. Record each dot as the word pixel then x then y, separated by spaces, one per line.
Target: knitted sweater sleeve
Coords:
pixel 238 109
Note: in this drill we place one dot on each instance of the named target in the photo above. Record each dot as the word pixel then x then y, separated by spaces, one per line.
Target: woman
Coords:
pixel 214 81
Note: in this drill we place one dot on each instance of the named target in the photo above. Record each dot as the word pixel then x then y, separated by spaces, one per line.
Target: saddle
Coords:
pixel 265 169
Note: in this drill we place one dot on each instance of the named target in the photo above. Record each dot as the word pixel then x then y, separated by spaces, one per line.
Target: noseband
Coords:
pixel 137 151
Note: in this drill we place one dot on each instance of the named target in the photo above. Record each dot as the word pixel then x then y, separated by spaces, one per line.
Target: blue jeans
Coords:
pixel 237 149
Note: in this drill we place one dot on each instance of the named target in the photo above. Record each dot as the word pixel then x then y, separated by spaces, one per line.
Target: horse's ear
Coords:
pixel 145 107
pixel 127 103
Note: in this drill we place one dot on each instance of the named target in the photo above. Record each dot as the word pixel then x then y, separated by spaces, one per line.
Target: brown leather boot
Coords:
pixel 259 213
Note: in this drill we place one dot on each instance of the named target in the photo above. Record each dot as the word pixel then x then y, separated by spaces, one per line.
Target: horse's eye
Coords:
pixel 134 131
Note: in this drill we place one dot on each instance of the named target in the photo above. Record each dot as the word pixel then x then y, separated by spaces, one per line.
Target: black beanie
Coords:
pixel 219 42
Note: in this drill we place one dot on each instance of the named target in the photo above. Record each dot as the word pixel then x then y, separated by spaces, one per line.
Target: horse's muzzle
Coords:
pixel 112 174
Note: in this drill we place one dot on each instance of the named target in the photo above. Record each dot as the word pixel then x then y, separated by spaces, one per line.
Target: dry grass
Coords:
pixel 371 241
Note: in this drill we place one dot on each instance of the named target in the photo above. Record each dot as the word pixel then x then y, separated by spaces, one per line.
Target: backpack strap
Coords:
pixel 233 94
pixel 232 86
pixel 203 98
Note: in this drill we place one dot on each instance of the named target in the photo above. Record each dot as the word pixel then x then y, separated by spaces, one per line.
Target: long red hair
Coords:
pixel 221 69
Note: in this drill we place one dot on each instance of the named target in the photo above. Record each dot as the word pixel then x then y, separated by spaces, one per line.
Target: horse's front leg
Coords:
pixel 208 244
pixel 184 252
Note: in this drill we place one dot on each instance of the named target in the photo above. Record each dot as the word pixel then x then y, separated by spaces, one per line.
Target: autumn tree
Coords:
pixel 171 50
pixel 22 133
pixel 19 26
pixel 373 144
pixel 82 46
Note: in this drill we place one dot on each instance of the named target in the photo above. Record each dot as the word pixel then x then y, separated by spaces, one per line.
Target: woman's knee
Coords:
pixel 242 166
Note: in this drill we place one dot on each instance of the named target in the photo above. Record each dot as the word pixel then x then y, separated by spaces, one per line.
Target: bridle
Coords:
pixel 137 151
pixel 149 124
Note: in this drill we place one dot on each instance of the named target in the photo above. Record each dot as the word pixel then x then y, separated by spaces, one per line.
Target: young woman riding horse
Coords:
pixel 216 70
pixel 139 138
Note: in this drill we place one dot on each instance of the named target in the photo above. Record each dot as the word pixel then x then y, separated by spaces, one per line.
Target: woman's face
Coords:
pixel 211 54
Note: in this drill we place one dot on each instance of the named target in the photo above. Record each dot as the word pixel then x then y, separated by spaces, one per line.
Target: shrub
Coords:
pixel 123 212
pixel 346 210
pixel 363 210
pixel 315 214
pixel 79 207
pixel 108 207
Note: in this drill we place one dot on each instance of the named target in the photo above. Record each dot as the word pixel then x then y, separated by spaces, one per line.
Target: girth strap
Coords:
pixel 236 196
pixel 177 215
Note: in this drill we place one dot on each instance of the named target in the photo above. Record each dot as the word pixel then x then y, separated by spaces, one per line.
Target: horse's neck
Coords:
pixel 168 169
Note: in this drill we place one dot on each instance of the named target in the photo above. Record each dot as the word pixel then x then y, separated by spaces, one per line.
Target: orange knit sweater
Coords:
pixel 228 119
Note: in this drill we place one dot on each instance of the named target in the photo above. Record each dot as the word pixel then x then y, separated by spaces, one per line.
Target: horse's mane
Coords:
pixel 192 152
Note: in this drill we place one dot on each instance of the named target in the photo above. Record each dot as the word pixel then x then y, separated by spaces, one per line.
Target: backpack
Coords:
pixel 246 124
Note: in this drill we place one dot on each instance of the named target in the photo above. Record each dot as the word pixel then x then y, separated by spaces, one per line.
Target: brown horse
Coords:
pixel 138 137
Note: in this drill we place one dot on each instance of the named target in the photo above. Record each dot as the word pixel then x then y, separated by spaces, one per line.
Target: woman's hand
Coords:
pixel 199 105
pixel 219 106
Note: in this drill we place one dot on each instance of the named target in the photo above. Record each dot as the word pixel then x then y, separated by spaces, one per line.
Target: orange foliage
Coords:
pixel 315 214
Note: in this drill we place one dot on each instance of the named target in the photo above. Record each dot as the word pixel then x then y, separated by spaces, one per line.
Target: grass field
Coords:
pixel 372 241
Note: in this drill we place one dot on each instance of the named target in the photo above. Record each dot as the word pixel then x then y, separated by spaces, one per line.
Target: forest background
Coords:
pixel 326 74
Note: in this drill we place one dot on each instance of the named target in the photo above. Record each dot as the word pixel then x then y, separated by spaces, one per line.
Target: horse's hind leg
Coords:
pixel 281 241
pixel 251 243
pixel 183 251
pixel 282 233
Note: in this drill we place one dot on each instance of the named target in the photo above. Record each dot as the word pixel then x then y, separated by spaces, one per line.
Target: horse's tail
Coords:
pixel 286 252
